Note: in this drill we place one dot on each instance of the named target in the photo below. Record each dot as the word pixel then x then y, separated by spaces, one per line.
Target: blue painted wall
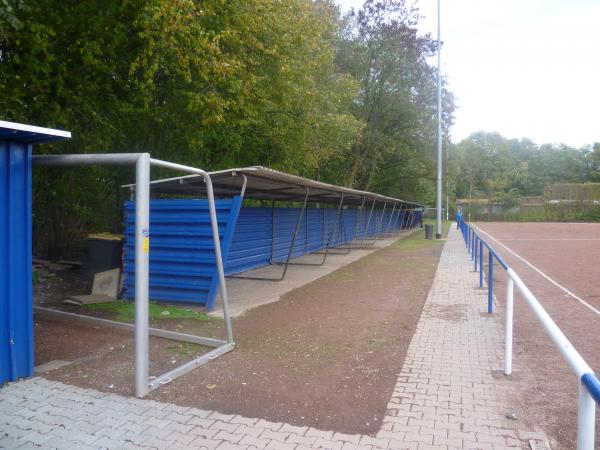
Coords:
pixel 16 317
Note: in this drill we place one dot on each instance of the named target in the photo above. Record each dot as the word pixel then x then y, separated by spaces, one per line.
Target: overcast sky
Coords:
pixel 523 68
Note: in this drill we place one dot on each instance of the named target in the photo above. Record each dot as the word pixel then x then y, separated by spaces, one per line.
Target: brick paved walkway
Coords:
pixel 446 396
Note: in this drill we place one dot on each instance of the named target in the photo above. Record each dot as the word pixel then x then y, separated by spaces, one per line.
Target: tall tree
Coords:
pixel 208 83
pixel 397 99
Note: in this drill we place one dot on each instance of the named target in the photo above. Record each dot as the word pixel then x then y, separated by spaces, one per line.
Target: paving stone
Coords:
pixel 181 438
pixel 230 446
pixel 301 440
pixel 327 444
pixel 350 438
pixel 274 435
pixel 201 442
pixel 229 427
pixel 287 428
pixel 243 421
pixel 313 432
pixel 254 441
pixel 276 445
pixel 273 426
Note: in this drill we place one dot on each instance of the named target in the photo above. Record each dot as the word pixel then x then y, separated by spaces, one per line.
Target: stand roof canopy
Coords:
pixel 267 184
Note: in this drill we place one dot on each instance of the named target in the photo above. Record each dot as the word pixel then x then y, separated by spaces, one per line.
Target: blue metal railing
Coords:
pixel 589 391
pixel 475 246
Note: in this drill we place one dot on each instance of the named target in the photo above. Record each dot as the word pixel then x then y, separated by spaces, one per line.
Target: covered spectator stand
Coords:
pixel 16 303
pixel 289 216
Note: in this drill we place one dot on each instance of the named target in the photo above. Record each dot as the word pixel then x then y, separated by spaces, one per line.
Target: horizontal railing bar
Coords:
pixel 86 159
pixel 575 360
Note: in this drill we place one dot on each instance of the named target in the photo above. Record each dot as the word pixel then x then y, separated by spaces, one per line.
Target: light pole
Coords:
pixel 438 205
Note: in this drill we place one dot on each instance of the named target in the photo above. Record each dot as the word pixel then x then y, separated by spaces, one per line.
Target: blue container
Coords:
pixel 16 316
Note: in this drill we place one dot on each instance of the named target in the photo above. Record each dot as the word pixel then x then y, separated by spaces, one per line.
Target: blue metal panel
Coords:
pixel 255 245
pixel 225 246
pixel 16 318
pixel 182 257
pixel 182 264
pixel 251 246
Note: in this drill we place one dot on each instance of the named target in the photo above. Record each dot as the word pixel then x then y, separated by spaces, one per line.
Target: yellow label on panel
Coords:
pixel 146 245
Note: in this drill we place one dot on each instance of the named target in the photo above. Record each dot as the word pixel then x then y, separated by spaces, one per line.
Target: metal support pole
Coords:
pixel 338 219
pixel 290 251
pixel 355 231
pixel 473 238
pixel 413 217
pixel 480 264
pixel 368 223
pixel 395 227
pixel 387 230
pixel 272 232
pixel 404 220
pixel 475 256
pixel 438 214
pixel 509 325
pixel 362 206
pixel 362 213
pixel 306 233
pixel 408 223
pixel 468 240
pixel 334 226
pixel 380 226
pixel 142 264
pixel 491 284
pixel 586 419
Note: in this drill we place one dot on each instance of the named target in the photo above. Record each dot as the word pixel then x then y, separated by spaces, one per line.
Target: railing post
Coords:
pixel 586 419
pixel 475 254
pixel 491 283
pixel 509 325
pixel 481 264
pixel 468 240
pixel 472 242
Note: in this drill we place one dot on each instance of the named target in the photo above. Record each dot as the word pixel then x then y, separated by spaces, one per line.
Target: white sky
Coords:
pixel 523 68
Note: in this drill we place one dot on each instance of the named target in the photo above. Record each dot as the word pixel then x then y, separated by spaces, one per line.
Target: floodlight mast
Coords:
pixel 438 205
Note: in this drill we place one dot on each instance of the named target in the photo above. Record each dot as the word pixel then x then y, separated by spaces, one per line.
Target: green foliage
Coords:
pixel 395 153
pixel 501 169
pixel 416 240
pixel 288 84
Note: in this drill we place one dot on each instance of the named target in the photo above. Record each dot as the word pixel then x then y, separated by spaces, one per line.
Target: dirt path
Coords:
pixel 326 355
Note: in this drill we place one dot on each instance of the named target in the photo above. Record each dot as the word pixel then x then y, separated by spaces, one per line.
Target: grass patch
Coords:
pixel 186 348
pixel 341 275
pixel 125 311
pixel 417 240
pixel 35 277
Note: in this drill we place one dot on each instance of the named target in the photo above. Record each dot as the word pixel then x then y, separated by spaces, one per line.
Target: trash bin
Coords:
pixel 104 252
pixel 428 231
